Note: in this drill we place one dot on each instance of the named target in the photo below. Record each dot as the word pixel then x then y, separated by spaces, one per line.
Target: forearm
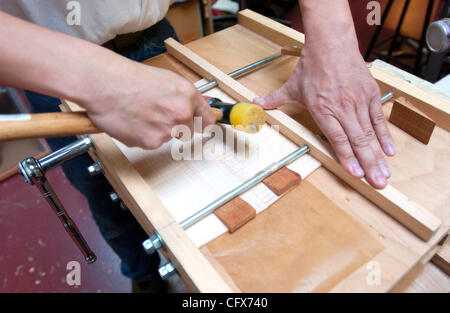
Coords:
pixel 328 23
pixel 48 62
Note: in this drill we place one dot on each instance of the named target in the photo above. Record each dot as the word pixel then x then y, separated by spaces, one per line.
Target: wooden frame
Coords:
pixel 403 250
pixel 410 214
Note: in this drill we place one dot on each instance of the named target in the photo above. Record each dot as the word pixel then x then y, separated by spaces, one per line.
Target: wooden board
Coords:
pixel 186 19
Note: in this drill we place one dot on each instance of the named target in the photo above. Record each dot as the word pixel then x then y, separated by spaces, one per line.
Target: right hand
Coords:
pixel 139 105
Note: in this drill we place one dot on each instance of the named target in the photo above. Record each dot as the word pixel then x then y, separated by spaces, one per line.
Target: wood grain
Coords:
pixel 302 243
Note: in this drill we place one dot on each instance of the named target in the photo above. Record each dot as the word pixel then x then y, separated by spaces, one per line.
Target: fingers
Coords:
pixel 340 143
pixel 203 110
pixel 379 124
pixel 369 132
pixel 361 142
pixel 276 98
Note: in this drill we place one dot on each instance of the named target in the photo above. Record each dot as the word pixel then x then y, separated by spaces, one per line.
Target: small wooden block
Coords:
pixel 235 213
pixel 291 50
pixel 411 120
pixel 282 180
pixel 442 257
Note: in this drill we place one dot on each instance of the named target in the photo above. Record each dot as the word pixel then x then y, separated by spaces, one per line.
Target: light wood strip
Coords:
pixel 270 29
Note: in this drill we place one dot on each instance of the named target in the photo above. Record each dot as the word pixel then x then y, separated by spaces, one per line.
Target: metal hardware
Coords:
pixel 34 171
pixel 153 243
pixel 438 35
pixel 242 71
pixel 114 196
pixel 167 270
pixel 95 169
pixel 388 96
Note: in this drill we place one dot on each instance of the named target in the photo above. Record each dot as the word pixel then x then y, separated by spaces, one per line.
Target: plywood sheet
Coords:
pixel 302 243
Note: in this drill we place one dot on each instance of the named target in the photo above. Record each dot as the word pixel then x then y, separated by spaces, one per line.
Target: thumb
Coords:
pixel 275 99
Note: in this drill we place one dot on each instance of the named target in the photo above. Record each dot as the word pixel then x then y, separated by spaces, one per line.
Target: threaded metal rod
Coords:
pixel 238 73
pixel 210 208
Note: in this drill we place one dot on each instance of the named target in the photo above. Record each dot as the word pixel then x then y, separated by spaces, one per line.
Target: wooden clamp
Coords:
pixel 410 214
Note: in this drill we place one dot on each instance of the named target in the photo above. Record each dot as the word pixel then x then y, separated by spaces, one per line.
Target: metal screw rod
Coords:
pixel 244 187
pixel 387 97
pixel 241 71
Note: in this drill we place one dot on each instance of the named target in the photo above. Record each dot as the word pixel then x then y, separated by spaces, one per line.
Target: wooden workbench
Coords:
pixel 321 236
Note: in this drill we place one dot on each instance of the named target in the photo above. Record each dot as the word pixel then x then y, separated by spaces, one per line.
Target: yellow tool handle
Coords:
pixel 44 125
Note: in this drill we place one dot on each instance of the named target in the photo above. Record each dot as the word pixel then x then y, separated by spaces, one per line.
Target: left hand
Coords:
pixel 332 81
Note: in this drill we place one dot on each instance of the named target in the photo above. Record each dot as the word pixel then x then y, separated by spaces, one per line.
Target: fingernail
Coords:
pixel 385 169
pixel 389 148
pixel 357 169
pixel 380 179
pixel 259 100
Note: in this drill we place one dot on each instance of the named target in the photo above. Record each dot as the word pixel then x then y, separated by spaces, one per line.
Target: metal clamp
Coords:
pixel 34 171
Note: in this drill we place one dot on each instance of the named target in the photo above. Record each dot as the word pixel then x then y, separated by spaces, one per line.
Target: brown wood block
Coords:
pixel 442 257
pixel 411 120
pixel 235 213
pixel 282 180
pixel 292 50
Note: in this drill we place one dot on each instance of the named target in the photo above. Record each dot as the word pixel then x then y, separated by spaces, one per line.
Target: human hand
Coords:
pixel 332 81
pixel 139 105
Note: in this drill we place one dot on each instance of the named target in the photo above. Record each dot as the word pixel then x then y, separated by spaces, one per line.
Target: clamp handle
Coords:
pixel 33 172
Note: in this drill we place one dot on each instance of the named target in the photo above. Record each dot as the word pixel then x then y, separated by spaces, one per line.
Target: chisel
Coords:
pixel 243 116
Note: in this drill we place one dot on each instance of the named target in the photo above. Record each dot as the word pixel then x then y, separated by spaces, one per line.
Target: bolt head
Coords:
pixel 114 196
pixel 95 169
pixel 167 270
pixel 152 244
